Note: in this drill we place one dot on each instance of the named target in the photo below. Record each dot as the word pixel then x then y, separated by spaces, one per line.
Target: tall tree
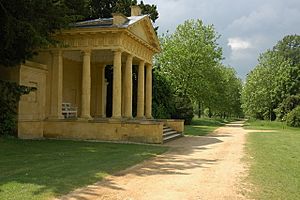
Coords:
pixel 189 57
pixel 275 79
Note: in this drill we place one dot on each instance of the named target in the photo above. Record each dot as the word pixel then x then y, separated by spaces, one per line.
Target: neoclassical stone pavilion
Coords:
pixel 70 81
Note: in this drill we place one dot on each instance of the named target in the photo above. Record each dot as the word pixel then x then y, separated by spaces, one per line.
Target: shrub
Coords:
pixel 286 106
pixel 10 94
pixel 163 96
pixel 293 118
pixel 183 108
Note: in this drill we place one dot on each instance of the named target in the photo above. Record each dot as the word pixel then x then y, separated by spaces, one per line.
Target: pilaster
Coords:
pixel 56 85
pixel 148 111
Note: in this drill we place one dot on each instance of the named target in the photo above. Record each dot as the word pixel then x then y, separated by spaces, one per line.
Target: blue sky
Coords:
pixel 247 27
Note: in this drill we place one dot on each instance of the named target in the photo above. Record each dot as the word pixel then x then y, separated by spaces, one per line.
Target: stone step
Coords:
pixel 170 134
pixel 167 133
pixel 167 130
pixel 172 137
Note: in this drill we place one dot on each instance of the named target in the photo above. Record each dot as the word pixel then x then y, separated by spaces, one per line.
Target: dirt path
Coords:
pixel 196 168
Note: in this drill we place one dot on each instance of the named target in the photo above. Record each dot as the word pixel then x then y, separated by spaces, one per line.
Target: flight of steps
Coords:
pixel 170 134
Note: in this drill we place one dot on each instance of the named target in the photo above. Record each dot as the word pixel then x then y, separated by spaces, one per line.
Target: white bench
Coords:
pixel 68 111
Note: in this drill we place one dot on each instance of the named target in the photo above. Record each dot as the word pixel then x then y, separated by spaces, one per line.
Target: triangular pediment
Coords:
pixel 144 30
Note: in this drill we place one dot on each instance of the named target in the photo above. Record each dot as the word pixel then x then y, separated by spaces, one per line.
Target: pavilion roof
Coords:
pixel 107 22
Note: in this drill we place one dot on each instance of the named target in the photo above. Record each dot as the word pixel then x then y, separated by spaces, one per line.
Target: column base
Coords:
pixel 128 118
pixel 56 117
pixel 140 117
pixel 85 118
pixel 100 116
pixel 115 119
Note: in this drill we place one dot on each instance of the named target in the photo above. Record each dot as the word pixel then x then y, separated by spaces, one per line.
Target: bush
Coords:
pixel 286 106
pixel 293 118
pixel 163 96
pixel 183 109
pixel 10 94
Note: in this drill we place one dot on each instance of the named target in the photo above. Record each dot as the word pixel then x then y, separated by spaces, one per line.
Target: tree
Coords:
pixel 274 80
pixel 28 25
pixel 189 57
pixel 105 8
pixel 228 96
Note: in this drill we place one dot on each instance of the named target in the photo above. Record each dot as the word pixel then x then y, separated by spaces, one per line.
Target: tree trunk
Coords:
pixel 199 109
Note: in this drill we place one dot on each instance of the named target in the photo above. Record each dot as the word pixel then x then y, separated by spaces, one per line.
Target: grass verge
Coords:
pixel 31 169
pixel 203 126
pixel 274 158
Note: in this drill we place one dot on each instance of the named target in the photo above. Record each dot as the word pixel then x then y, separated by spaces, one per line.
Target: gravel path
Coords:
pixel 195 168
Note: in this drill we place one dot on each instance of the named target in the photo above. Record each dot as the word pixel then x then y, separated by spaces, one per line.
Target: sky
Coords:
pixel 247 27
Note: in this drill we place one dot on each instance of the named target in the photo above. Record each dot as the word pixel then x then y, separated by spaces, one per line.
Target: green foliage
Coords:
pixel 105 8
pixel 293 117
pixel 183 108
pixel 287 106
pixel 10 94
pixel 275 78
pixel 28 25
pixel 163 104
pixel 190 59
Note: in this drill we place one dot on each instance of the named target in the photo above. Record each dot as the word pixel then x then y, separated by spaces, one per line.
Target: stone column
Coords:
pixel 104 95
pixel 56 85
pixel 123 91
pixel 103 92
pixel 141 85
pixel 117 78
pixel 86 85
pixel 148 111
pixel 128 88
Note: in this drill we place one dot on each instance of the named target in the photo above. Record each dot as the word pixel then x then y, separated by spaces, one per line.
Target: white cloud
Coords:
pixel 238 44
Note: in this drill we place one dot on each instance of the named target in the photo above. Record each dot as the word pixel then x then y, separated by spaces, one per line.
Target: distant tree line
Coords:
pixel 272 89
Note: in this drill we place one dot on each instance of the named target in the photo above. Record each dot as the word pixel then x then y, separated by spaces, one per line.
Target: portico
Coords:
pixel 103 68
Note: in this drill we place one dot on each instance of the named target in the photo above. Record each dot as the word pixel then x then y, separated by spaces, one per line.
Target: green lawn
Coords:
pixel 48 168
pixel 274 159
pixel 203 126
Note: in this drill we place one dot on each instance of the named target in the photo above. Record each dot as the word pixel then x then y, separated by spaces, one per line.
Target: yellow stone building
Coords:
pixel 71 96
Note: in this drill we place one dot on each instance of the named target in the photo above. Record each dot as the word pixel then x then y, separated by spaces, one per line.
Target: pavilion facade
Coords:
pixel 73 73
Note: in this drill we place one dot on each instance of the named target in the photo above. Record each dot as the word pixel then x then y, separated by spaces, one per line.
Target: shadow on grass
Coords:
pixel 41 169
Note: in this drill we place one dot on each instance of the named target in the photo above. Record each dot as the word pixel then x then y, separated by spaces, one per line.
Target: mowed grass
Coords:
pixel 274 159
pixel 48 168
pixel 203 126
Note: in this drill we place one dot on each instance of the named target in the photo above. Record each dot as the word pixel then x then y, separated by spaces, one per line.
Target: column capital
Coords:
pixel 117 51
pixel 149 65
pixel 130 56
pixel 86 52
pixel 56 52
pixel 142 62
